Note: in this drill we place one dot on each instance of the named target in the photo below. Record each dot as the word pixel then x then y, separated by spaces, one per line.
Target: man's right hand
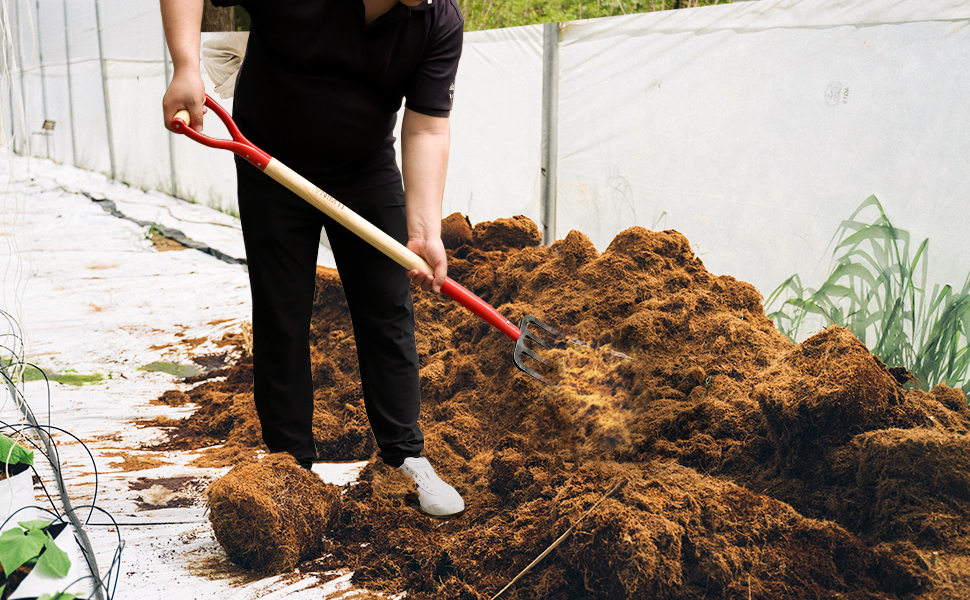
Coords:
pixel 185 92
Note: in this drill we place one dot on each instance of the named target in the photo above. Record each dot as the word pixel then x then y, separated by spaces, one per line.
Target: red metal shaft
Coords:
pixel 478 306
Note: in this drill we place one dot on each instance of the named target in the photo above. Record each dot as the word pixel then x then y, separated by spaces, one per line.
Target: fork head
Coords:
pixel 527 332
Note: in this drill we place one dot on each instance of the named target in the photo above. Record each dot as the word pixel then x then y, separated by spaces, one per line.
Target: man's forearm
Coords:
pixel 424 151
pixel 182 21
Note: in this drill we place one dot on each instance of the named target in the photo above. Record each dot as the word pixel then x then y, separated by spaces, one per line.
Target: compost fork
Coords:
pixel 372 235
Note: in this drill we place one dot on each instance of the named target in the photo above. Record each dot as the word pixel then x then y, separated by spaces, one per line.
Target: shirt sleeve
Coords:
pixel 431 88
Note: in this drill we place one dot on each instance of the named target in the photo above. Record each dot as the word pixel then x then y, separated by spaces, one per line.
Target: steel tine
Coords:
pixel 527 370
pixel 532 336
pixel 520 349
pixel 532 373
pixel 528 352
pixel 532 320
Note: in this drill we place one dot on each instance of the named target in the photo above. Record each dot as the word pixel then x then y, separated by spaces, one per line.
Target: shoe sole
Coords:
pixel 418 508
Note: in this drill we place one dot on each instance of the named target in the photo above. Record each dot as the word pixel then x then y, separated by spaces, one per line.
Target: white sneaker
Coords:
pixel 434 495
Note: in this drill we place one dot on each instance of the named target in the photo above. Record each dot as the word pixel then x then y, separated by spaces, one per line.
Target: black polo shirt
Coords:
pixel 320 91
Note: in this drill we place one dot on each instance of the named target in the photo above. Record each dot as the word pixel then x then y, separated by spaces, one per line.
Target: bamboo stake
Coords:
pixel 619 486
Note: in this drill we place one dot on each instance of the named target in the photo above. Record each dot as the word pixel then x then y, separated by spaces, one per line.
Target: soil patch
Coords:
pixel 757 468
pixel 162 243
pixel 131 462
pixel 168 492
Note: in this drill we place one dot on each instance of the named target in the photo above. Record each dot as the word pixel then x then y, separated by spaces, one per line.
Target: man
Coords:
pixel 338 71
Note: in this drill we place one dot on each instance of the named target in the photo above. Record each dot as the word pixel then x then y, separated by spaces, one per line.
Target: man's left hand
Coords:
pixel 433 251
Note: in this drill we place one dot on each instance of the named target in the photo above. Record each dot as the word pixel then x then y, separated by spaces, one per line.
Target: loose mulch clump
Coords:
pixel 757 468
pixel 270 515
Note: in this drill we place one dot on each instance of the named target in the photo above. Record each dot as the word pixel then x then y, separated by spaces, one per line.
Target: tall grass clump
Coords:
pixel 877 289
pixel 495 14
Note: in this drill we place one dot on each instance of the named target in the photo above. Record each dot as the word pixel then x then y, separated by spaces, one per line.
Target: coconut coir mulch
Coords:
pixel 269 515
pixel 757 468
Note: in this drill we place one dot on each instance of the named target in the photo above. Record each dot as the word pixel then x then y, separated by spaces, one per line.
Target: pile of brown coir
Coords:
pixel 757 468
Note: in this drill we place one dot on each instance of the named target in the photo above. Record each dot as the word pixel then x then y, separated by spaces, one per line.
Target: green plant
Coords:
pixel 32 547
pixel 13 453
pixel 153 230
pixel 877 290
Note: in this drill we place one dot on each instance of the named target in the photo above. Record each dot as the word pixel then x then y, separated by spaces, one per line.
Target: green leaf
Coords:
pixel 13 453
pixel 36 525
pixel 53 561
pixel 58 596
pixel 18 546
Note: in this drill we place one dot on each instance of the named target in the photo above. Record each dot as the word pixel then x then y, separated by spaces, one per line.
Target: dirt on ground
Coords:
pixel 756 468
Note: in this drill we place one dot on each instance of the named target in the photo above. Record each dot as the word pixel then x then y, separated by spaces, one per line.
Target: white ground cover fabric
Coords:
pixel 93 296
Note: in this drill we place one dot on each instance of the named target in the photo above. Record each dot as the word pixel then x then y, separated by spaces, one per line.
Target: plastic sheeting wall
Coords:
pixel 84 127
pixel 756 129
pixel 78 79
pixel 500 68
pixel 496 129
pixel 753 128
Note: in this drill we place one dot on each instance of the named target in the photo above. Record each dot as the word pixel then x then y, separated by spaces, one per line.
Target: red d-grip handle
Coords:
pixel 239 144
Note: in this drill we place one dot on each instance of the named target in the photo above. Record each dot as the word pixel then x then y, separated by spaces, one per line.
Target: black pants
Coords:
pixel 282 234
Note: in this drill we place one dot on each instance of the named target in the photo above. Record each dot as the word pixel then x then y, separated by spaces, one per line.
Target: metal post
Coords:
pixel 171 136
pixel 43 81
pixel 19 56
pixel 70 91
pixel 104 85
pixel 550 125
pixel 8 59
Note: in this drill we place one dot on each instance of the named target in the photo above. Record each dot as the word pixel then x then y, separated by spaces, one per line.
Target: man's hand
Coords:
pixel 433 251
pixel 185 92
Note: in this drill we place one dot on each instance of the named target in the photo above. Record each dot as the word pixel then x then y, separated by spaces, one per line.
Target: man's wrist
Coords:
pixel 186 68
pixel 424 239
